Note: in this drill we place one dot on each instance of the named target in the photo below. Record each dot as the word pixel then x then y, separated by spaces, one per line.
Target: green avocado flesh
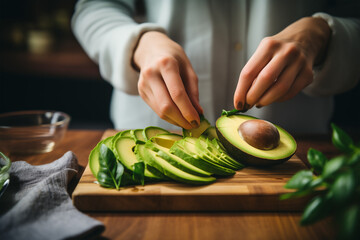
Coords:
pixel 196 132
pixel 227 129
pixel 125 146
pixel 153 159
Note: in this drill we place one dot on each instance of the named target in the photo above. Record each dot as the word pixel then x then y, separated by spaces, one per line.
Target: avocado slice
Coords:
pixel 152 131
pixel 211 150
pixel 175 160
pixel 138 136
pixel 95 154
pixel 196 132
pixel 210 133
pixel 166 139
pixel 124 147
pixel 189 153
pixel 153 159
pixel 227 130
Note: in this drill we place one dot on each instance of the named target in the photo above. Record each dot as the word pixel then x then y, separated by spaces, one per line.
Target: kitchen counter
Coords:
pixel 193 225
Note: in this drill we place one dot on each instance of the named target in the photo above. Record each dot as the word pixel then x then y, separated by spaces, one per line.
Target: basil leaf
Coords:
pixel 138 174
pixel 315 210
pixel 316 159
pixel 341 139
pixel 229 113
pixel 300 180
pixel 4 169
pixel 110 171
pixel 354 158
pixel 343 187
pixel 332 166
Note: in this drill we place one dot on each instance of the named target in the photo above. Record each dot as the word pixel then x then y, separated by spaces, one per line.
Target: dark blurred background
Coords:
pixel 43 67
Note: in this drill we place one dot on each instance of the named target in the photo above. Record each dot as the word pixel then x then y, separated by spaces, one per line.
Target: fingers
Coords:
pixel 303 80
pixel 190 81
pixel 175 86
pixel 250 72
pixel 173 97
pixel 276 76
pixel 155 93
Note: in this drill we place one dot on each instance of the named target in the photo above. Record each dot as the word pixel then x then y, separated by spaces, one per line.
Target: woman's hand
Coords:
pixel 167 83
pixel 282 64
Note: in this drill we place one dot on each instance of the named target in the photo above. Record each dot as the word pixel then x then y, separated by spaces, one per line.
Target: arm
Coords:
pixel 167 82
pixel 109 35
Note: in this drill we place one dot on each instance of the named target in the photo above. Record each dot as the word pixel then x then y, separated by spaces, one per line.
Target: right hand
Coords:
pixel 167 82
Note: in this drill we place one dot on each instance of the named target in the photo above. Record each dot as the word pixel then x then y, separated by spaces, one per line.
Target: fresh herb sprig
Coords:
pixel 110 171
pixel 335 184
pixel 112 174
pixel 4 169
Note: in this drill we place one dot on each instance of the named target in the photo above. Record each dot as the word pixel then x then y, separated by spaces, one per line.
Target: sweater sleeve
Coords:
pixel 340 70
pixel 109 35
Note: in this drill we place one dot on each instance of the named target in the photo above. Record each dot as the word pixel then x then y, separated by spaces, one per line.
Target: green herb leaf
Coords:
pixel 4 168
pixel 349 223
pixel 332 166
pixel 354 158
pixel 341 139
pixel 316 159
pixel 110 171
pixel 229 113
pixel 315 210
pixel 300 180
pixel 138 174
pixel 343 187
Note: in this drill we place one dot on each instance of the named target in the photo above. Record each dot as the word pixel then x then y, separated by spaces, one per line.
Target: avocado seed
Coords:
pixel 260 134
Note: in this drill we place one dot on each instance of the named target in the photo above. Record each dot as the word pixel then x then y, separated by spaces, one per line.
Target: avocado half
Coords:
pixel 238 148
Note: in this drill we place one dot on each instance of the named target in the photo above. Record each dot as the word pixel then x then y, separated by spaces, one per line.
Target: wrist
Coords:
pixel 144 45
pixel 323 34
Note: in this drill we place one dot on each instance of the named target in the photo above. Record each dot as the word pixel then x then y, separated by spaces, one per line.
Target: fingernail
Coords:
pixel 194 124
pixel 239 106
pixel 259 106
pixel 247 106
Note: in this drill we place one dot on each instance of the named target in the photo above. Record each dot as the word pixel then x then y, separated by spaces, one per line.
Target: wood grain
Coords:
pixel 251 189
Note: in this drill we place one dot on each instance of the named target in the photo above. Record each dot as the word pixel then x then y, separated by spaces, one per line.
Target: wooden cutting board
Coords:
pixel 251 189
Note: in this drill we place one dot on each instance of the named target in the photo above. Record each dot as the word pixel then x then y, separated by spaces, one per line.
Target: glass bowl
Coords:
pixel 31 132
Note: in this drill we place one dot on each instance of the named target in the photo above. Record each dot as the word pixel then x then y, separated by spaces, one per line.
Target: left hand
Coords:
pixel 282 64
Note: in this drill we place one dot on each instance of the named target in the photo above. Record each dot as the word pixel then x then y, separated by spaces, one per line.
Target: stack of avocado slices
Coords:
pixel 154 154
pixel 197 157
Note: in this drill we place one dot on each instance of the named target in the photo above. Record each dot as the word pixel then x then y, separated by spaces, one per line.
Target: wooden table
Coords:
pixel 194 225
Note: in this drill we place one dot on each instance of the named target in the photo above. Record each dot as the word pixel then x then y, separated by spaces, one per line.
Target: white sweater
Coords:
pixel 218 37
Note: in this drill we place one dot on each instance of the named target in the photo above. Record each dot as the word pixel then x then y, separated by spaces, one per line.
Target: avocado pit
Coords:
pixel 260 134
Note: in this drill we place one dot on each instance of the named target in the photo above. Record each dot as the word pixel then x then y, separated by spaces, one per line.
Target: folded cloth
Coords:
pixel 36 204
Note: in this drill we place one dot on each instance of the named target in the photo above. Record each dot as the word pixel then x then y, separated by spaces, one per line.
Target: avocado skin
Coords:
pixel 246 158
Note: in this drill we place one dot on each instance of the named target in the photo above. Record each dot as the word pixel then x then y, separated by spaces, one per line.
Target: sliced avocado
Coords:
pixel 196 132
pixel 211 150
pixel 137 134
pixel 166 139
pixel 204 153
pixel 153 159
pixel 152 131
pixel 175 160
pixel 124 147
pixel 227 128
pixel 189 153
pixel 210 133
pixel 95 154
pixel 126 133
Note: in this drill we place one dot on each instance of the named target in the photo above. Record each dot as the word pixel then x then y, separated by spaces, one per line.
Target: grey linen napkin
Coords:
pixel 36 204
